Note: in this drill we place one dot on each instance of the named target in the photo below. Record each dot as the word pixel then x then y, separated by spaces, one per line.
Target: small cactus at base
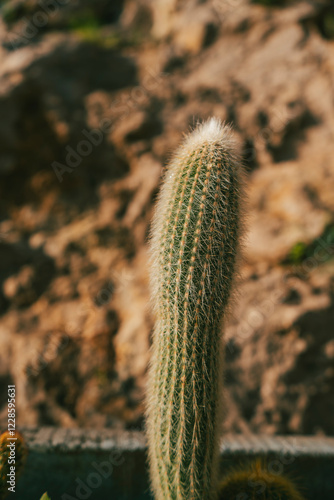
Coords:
pixel 19 454
pixel 45 497
pixel 194 246
pixel 257 483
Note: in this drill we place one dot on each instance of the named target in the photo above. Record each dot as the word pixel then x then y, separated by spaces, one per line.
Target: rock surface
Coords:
pixel 90 116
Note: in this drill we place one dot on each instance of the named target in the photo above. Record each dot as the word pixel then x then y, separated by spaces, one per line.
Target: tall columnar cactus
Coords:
pixel 194 245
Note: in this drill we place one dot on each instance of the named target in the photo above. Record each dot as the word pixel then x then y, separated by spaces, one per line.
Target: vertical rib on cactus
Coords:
pixel 194 245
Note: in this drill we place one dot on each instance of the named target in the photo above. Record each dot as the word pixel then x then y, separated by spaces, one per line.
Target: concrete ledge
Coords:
pixel 81 464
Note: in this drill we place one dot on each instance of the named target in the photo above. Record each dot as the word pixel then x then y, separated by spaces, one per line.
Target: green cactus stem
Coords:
pixel 194 244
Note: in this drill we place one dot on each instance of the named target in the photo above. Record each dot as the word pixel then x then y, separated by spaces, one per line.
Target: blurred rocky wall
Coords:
pixel 94 98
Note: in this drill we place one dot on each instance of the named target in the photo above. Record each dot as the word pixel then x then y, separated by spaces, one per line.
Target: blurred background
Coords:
pixel 94 98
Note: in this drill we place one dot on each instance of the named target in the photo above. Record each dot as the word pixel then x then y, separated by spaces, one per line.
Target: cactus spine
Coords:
pixel 193 252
